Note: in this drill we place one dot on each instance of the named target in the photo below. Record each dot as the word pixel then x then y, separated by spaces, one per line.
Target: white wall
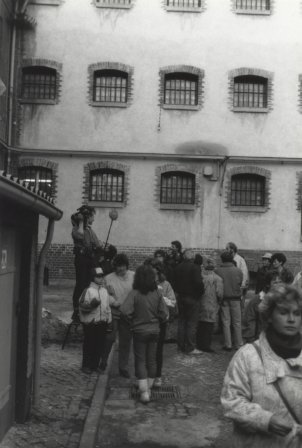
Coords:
pixel 147 37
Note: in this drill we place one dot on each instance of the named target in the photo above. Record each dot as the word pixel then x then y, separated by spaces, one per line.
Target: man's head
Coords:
pixel 278 260
pixel 232 248
pixel 226 257
pixel 176 246
pixel 121 264
pixel 266 259
pixel 188 254
pixel 160 255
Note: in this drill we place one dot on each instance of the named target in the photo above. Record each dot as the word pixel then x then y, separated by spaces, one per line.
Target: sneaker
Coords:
pixel 157 382
pixel 195 352
pixel 124 373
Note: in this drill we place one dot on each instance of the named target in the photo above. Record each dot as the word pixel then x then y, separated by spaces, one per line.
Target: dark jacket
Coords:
pixel 188 280
pixel 232 280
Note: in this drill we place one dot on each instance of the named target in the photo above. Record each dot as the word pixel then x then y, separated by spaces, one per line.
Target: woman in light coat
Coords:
pixel 250 395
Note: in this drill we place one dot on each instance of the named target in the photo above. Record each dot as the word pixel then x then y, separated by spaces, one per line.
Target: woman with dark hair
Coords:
pixel 262 391
pixel 170 300
pixel 145 308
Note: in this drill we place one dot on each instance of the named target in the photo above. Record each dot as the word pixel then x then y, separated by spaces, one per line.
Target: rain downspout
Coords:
pixel 39 294
pixel 11 91
pixel 223 165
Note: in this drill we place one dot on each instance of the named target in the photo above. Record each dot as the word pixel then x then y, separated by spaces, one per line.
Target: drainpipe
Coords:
pixel 39 294
pixel 223 165
pixel 11 90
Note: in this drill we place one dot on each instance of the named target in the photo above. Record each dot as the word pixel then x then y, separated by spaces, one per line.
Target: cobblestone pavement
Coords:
pixel 194 420
pixel 65 397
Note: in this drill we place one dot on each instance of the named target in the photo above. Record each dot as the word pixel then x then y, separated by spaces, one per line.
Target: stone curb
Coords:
pixel 90 431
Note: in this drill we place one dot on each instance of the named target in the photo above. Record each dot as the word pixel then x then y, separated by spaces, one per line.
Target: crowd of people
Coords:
pixel 262 390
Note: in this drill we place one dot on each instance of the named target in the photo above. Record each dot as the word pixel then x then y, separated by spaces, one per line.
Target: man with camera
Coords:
pixel 86 244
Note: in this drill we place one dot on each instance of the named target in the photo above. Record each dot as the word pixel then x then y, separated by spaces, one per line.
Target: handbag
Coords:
pixel 280 392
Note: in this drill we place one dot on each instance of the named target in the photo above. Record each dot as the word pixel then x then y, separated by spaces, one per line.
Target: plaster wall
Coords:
pixel 210 225
pixel 147 37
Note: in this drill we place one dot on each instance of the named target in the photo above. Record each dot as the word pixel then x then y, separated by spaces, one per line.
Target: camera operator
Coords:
pixel 86 244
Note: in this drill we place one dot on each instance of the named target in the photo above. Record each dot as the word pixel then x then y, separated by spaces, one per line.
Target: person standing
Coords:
pixel 167 292
pixel 231 308
pixel 85 245
pixel 262 389
pixel 189 287
pixel 145 309
pixel 95 315
pixel 209 306
pixel 262 273
pixel 279 273
pixel 119 284
pixel 241 264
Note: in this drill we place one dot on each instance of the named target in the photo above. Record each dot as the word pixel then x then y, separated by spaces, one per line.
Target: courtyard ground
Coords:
pixel 191 420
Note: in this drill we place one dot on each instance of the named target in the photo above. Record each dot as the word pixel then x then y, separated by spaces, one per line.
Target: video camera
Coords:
pixel 82 214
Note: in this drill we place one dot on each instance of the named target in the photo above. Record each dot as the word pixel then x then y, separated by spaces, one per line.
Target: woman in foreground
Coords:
pixel 262 390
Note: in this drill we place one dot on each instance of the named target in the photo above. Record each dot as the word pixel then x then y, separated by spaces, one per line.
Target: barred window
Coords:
pixel 181 89
pixel 110 86
pixel 113 3
pixel 250 91
pixel 253 5
pixel 107 185
pixel 37 177
pixel 184 3
pixel 39 83
pixel 248 190
pixel 177 188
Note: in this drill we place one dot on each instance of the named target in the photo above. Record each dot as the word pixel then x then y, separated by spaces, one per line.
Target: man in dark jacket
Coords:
pixel 189 288
pixel 231 308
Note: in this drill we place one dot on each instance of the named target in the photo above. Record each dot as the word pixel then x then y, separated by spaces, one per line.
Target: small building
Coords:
pixel 20 304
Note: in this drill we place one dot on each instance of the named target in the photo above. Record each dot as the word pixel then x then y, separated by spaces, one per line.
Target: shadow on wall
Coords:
pixel 202 148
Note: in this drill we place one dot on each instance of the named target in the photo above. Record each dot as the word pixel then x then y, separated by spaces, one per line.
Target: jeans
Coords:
pixel 204 335
pixel 125 339
pixel 93 344
pixel 231 315
pixel 145 346
pixel 110 339
pixel 160 348
pixel 188 313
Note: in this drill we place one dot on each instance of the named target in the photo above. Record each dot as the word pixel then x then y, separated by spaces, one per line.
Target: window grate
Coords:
pixel 165 392
pixel 177 188
pixel 248 190
pixel 184 3
pixel 106 186
pixel 110 86
pixel 250 91
pixel 37 177
pixel 39 83
pixel 114 3
pixel 253 5
pixel 181 89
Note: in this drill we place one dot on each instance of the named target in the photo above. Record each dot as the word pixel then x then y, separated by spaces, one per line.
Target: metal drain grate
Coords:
pixel 159 393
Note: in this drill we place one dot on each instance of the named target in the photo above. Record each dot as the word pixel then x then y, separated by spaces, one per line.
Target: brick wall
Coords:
pixel 60 258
